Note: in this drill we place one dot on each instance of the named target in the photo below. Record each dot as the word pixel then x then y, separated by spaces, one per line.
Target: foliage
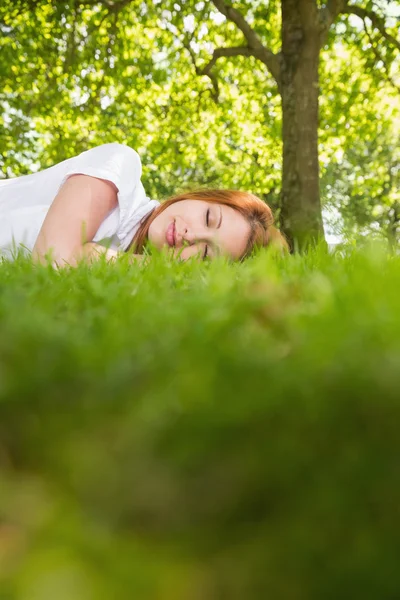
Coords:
pixel 201 430
pixel 126 71
pixel 118 86
pixel 360 128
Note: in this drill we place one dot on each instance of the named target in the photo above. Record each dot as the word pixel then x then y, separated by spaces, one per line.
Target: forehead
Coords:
pixel 234 233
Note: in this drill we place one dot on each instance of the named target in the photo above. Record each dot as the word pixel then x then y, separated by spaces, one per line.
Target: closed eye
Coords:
pixel 208 217
pixel 205 252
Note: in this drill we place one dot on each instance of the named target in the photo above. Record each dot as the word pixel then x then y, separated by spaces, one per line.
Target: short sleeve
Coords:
pixel 114 162
pixel 121 165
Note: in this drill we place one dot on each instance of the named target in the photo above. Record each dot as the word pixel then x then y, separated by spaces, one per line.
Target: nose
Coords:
pixel 191 233
pixel 188 235
pixel 182 234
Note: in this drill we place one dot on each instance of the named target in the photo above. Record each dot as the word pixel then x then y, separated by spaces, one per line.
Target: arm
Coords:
pixel 73 219
pixel 91 251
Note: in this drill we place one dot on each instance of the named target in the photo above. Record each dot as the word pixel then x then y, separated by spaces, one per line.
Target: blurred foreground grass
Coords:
pixel 192 431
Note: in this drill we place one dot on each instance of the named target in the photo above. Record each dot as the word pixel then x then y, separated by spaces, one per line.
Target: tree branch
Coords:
pixel 111 5
pixel 377 21
pixel 328 15
pixel 380 58
pixel 205 71
pixel 219 52
pixel 271 60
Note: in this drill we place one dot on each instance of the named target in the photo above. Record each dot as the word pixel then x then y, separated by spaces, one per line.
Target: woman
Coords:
pixel 67 210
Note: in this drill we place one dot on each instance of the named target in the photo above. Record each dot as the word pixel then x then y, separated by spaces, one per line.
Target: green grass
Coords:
pixel 189 431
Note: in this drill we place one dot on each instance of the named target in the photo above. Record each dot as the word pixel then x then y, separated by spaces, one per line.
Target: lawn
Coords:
pixel 201 431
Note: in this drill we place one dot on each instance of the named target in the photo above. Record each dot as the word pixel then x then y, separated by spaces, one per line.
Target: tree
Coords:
pixel 295 67
pixel 97 72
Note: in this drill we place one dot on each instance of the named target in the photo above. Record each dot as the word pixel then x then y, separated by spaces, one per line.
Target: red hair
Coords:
pixel 256 212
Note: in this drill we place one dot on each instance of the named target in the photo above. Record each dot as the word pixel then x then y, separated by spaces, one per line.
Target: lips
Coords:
pixel 170 234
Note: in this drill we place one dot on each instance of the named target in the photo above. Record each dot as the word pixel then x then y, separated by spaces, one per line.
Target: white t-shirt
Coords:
pixel 24 201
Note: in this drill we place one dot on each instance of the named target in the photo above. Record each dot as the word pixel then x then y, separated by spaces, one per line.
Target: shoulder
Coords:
pixel 113 158
pixel 113 149
pixel 117 147
pixel 117 163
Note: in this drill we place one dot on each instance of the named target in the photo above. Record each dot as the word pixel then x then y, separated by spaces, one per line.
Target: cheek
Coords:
pixel 157 229
pixel 189 252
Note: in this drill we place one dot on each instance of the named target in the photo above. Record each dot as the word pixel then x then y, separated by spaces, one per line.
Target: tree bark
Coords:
pixel 301 215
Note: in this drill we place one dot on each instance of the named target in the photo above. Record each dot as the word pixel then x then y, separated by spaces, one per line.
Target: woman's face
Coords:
pixel 197 227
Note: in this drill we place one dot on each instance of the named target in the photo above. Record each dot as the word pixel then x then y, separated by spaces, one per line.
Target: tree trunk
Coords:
pixel 301 216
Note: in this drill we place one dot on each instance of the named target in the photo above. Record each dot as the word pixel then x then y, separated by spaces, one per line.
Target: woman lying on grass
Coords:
pixel 68 209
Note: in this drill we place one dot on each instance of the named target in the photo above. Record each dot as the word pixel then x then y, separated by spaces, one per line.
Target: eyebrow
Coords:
pixel 220 217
